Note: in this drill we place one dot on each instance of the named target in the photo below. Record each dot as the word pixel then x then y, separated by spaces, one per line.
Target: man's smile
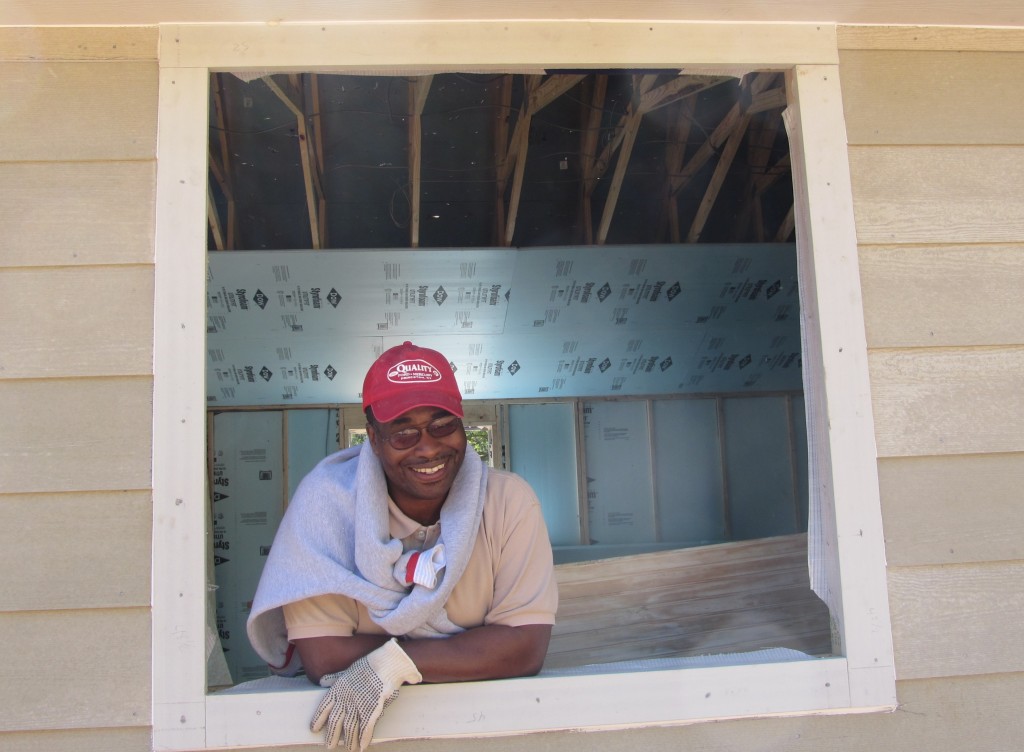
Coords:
pixel 429 470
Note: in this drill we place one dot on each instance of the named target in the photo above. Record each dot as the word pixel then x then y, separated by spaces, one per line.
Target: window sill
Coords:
pixel 277 711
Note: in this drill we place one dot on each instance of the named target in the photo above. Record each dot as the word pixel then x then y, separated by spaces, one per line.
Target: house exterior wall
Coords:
pixel 937 161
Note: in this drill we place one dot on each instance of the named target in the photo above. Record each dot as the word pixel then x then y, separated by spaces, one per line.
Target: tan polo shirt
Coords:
pixel 509 579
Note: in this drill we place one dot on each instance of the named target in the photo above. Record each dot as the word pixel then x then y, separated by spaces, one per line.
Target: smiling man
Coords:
pixel 406 559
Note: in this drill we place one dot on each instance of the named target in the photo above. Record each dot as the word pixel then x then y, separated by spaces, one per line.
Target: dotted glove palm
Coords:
pixel 359 695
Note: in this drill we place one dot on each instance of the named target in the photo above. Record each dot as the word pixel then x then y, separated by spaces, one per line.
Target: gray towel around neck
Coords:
pixel 334 538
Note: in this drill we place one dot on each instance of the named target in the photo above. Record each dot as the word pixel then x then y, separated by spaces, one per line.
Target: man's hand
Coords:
pixel 359 695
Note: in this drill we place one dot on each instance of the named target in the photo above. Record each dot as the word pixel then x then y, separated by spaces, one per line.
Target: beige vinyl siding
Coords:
pixel 98 203
pixel 126 739
pixel 81 668
pixel 78 110
pixel 937 163
pixel 60 545
pixel 917 294
pixel 980 492
pixel 61 315
pixel 938 194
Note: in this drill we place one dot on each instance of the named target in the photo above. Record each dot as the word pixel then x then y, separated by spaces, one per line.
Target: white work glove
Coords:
pixel 420 567
pixel 359 694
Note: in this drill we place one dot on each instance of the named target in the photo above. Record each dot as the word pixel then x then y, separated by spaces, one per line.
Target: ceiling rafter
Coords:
pixel 310 177
pixel 754 87
pixel 224 233
pixel 646 98
pixel 707 150
pixel 725 158
pixel 763 131
pixel 212 215
pixel 675 153
pixel 501 142
pixel 538 96
pixel 528 198
pixel 724 141
pixel 788 225
pixel 588 153
pixel 419 89
pixel 318 150
pixel 630 127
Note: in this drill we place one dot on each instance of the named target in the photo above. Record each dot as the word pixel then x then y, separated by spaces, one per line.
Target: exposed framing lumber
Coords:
pixel 214 220
pixel 219 170
pixel 761 137
pixel 318 151
pixel 588 154
pixel 309 176
pixel 419 88
pixel 786 228
pixel 706 151
pixel 675 153
pixel 631 126
pixel 517 156
pixel 725 160
pixel 538 95
pixel 756 87
pixel 729 132
pixel 646 99
pixel 502 146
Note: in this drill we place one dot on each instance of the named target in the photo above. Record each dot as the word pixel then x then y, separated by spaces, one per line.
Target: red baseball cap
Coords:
pixel 407 376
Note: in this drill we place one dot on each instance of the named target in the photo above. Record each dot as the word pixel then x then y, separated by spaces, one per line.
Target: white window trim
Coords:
pixel 860 679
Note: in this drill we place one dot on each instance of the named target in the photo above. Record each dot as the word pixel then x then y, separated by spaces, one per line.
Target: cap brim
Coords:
pixel 387 409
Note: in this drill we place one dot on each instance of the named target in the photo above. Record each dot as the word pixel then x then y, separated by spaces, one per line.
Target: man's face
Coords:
pixel 420 476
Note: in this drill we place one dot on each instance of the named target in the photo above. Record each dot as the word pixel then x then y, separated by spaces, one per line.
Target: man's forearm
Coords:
pixel 488 652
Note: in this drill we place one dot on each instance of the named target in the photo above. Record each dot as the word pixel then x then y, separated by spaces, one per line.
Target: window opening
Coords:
pixel 549 152
pixel 861 673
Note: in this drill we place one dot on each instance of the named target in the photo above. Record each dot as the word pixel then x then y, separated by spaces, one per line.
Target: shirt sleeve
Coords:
pixel 321 616
pixel 525 591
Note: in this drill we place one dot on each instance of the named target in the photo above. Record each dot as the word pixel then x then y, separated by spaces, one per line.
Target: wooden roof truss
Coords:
pixel 606 151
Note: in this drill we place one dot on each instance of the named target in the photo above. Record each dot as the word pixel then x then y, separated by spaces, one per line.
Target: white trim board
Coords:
pixel 861 678
pixel 494 45
pixel 548 703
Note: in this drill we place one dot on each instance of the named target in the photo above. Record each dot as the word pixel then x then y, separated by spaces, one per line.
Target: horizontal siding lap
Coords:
pixel 71 669
pixel 78 111
pixel 77 321
pixel 931 98
pixel 61 547
pixel 937 296
pixel 952 510
pixel 75 213
pixel 957 620
pixel 948 400
pixel 76 435
pixel 938 194
pixel 80 740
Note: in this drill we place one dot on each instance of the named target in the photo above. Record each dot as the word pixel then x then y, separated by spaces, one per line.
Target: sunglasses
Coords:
pixel 407 438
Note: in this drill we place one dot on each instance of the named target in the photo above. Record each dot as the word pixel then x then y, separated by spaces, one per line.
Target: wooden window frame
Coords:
pixel 860 677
